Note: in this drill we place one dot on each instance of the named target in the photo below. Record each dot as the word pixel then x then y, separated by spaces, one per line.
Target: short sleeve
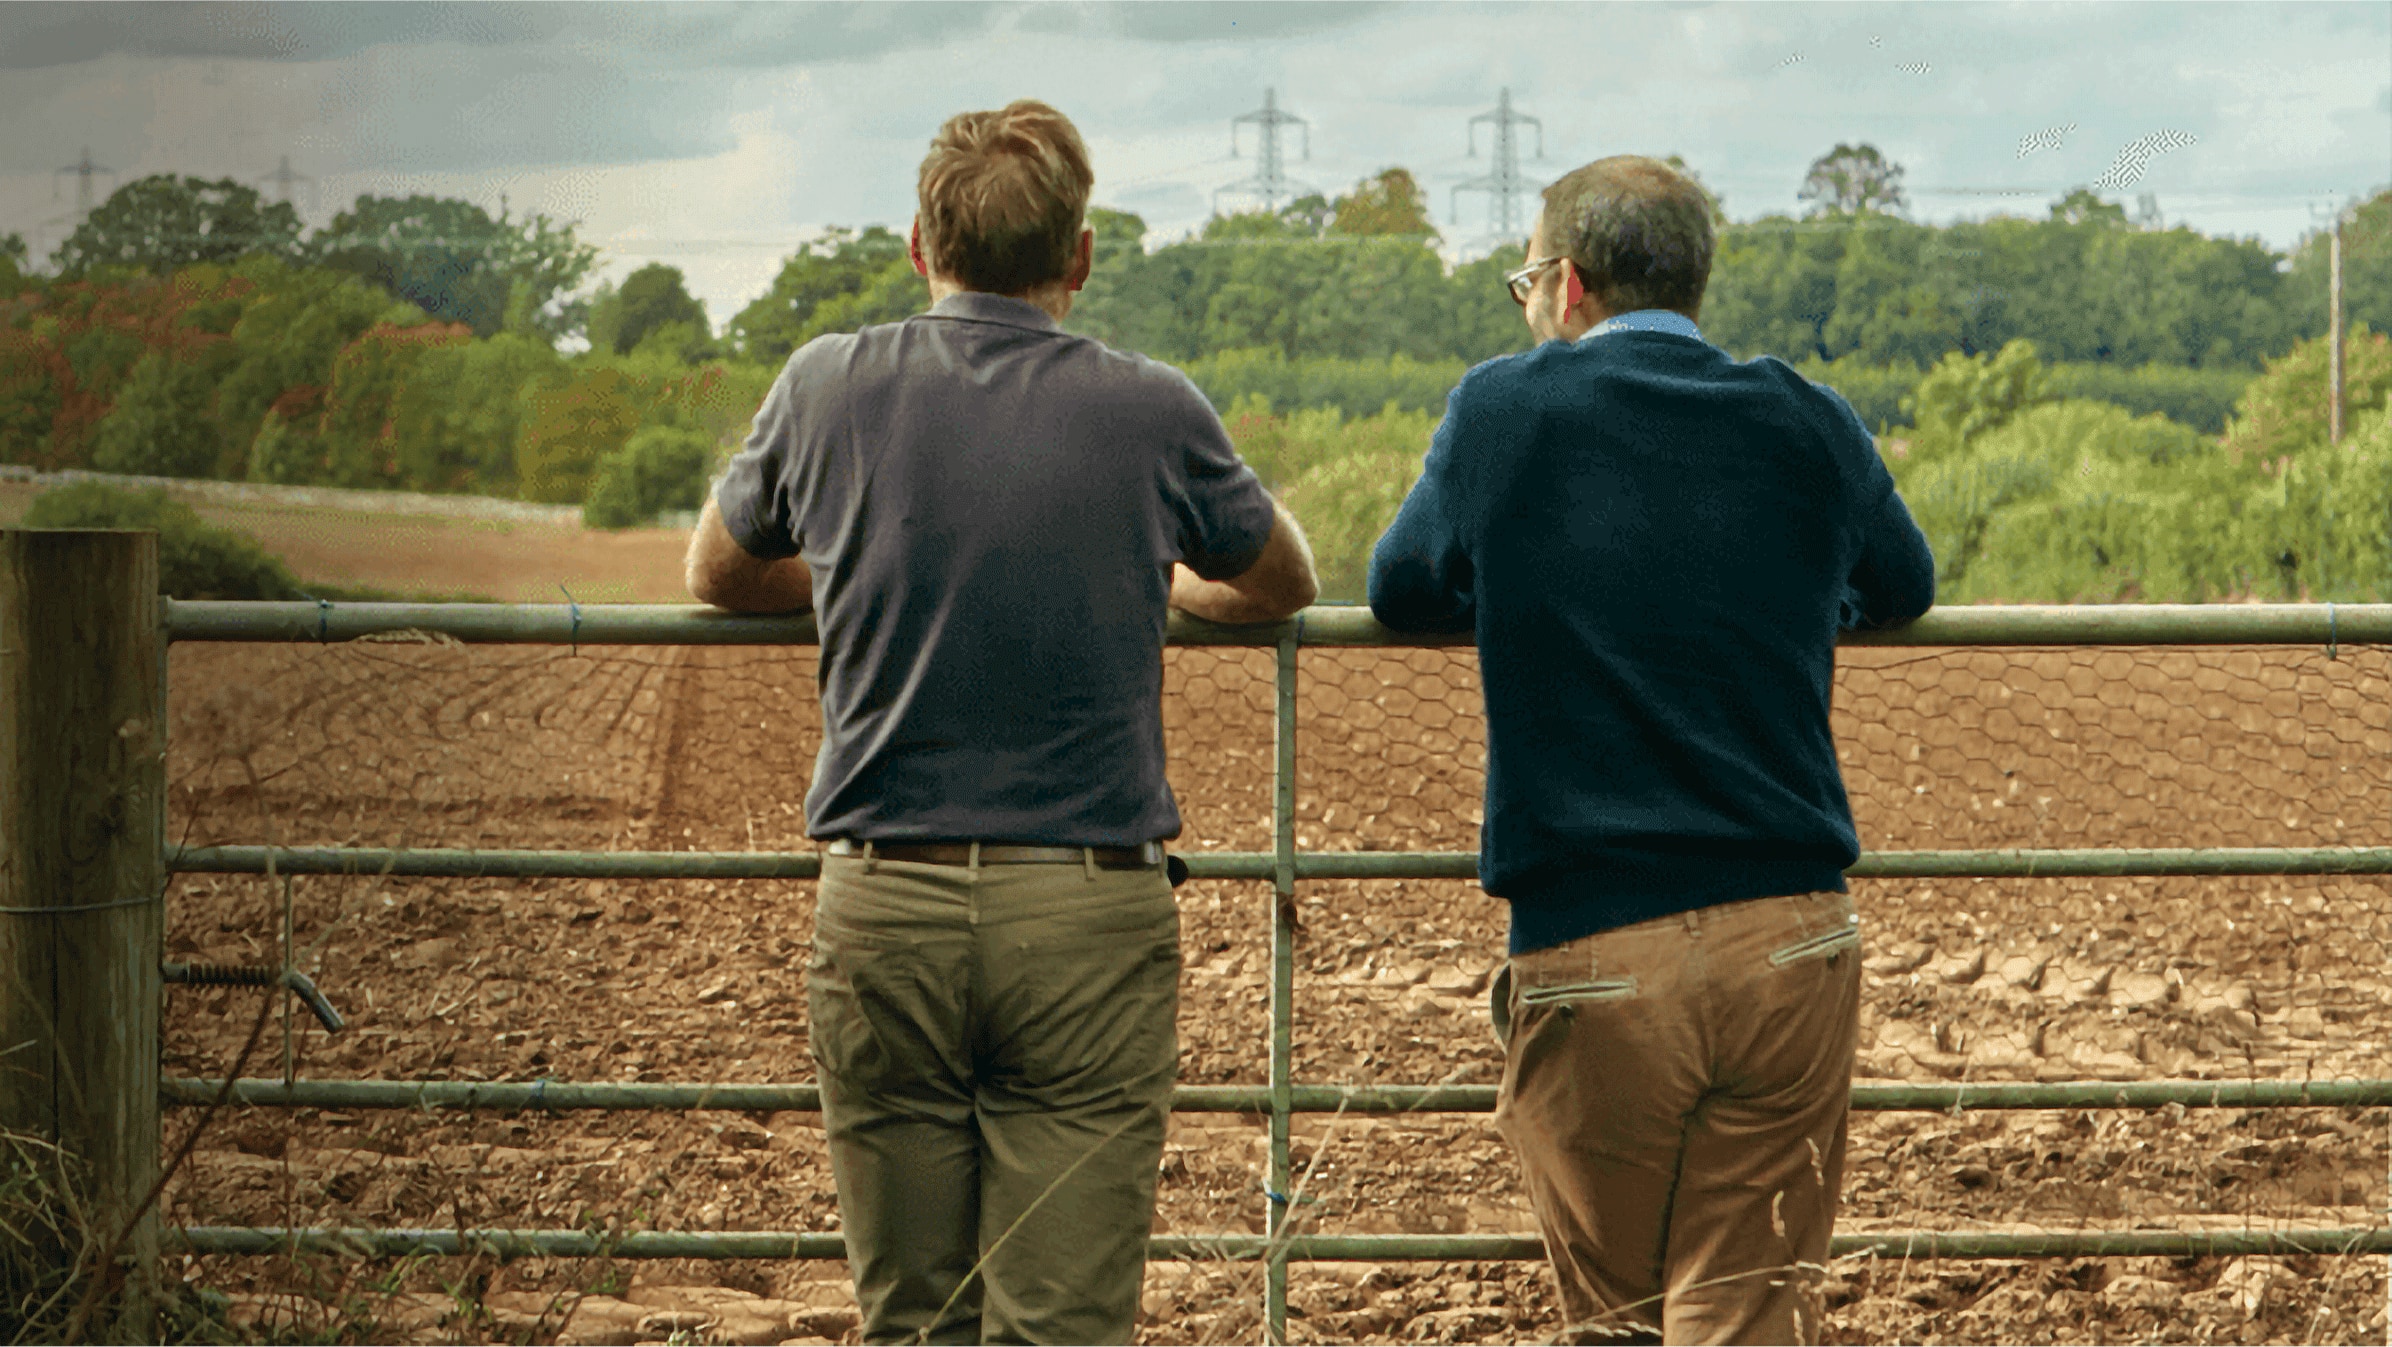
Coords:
pixel 1224 516
pixel 754 495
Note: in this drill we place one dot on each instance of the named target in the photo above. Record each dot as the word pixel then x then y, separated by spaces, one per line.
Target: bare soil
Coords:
pixel 427 743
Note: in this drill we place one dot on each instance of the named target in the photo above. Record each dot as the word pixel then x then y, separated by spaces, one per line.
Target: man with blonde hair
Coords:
pixel 991 517
pixel 1655 545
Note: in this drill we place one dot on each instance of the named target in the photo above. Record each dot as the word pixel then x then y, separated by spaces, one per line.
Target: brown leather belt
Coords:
pixel 1002 853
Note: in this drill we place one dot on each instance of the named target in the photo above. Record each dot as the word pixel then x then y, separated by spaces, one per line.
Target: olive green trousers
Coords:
pixel 997 1050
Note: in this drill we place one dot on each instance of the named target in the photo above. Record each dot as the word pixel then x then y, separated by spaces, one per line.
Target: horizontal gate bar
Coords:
pixel 1956 1244
pixel 805 1098
pixel 458 863
pixel 1330 625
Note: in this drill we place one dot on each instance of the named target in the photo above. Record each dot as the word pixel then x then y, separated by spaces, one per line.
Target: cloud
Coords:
pixel 695 35
pixel 1232 20
pixel 33 36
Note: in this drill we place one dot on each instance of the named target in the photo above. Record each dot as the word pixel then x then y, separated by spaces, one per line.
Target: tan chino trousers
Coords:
pixel 1677 1092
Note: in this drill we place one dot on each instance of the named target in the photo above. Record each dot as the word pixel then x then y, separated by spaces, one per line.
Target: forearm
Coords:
pixel 1893 581
pixel 1218 600
pixel 1280 583
pixel 721 572
pixel 780 586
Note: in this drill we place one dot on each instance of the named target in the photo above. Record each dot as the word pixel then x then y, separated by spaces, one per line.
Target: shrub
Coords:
pixel 1343 479
pixel 2284 410
pixel 1350 387
pixel 196 559
pixel 1965 396
pixel 2199 398
pixel 1876 392
pixel 2100 506
pixel 160 426
pixel 659 468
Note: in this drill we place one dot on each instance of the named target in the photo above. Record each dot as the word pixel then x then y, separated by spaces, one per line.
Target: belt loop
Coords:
pixel 1088 863
pixel 972 870
pixel 869 861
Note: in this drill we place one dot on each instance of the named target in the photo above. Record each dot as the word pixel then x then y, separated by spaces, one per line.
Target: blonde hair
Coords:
pixel 1003 197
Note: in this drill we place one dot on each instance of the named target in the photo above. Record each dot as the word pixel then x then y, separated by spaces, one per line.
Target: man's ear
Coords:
pixel 913 249
pixel 1083 262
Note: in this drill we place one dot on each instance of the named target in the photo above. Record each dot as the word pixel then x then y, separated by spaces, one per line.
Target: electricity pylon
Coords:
pixel 1504 186
pixel 282 177
pixel 1269 182
pixel 83 170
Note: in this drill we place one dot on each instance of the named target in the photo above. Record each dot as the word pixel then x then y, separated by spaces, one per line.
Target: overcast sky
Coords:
pixel 717 137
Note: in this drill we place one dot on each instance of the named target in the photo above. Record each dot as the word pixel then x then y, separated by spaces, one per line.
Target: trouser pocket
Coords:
pixel 1835 931
pixel 841 1036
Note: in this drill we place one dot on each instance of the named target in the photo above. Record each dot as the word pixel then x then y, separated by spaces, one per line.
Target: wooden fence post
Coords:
pixel 82 882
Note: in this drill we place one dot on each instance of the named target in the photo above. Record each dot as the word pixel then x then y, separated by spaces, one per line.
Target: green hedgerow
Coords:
pixel 196 559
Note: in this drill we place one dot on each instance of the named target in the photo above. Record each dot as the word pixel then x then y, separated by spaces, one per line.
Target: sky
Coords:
pixel 717 138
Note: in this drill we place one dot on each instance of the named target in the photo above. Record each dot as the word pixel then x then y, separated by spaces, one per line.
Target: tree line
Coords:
pixel 190 328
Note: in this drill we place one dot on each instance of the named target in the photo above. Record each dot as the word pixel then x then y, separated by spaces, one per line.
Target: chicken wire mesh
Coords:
pixel 427 743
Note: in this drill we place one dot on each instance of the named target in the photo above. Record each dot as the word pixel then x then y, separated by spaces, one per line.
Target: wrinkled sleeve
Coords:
pixel 1222 514
pixel 1421 574
pixel 1893 573
pixel 755 496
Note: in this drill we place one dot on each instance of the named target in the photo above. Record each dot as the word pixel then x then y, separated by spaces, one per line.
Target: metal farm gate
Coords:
pixel 2313 630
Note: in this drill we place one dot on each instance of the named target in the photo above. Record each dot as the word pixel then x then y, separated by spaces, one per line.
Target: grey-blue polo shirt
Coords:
pixel 990 507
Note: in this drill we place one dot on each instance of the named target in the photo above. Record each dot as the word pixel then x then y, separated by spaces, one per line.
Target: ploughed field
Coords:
pixel 427 743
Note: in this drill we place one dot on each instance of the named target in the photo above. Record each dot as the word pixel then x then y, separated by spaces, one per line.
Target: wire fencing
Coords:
pixel 2085 991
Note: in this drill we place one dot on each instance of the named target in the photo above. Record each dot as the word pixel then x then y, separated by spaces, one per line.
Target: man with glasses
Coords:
pixel 1656 546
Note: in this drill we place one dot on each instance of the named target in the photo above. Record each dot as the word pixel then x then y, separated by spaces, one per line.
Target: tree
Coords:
pixel 297 322
pixel 1390 203
pixel 459 412
pixel 2366 270
pixel 159 425
pixel 458 263
pixel 359 428
pixel 1853 180
pixel 1773 288
pixel 163 223
pixel 12 248
pixel 650 298
pixel 841 263
pixel 570 423
pixel 2083 206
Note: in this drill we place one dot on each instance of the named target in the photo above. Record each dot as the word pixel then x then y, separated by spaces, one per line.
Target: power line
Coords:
pixel 1504 186
pixel 1269 182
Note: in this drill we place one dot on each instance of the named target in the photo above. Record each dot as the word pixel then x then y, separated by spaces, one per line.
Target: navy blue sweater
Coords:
pixel 1655 546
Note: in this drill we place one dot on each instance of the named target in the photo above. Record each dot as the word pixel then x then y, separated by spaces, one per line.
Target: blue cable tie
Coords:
pixel 573 637
pixel 1276 1196
pixel 539 1092
pixel 2330 645
pixel 323 620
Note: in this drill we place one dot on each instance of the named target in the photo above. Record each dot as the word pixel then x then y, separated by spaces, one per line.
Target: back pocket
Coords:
pixel 1825 945
pixel 1593 989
